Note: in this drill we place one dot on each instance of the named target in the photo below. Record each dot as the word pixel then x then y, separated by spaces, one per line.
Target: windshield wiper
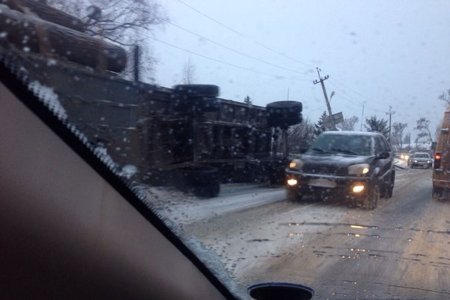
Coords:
pixel 344 151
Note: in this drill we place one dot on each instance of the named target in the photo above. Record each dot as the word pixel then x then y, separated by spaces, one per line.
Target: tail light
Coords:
pixel 437 160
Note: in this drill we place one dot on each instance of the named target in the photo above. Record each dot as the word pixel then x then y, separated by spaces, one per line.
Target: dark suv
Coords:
pixel 358 165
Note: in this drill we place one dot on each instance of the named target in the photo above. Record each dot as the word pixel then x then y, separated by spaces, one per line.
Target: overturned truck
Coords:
pixel 185 136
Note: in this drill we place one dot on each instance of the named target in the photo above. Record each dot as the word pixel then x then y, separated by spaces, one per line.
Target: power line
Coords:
pixel 344 94
pixel 234 50
pixel 357 102
pixel 212 19
pixel 244 36
pixel 360 95
pixel 218 60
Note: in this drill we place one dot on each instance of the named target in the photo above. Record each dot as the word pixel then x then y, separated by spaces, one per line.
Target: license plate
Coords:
pixel 326 183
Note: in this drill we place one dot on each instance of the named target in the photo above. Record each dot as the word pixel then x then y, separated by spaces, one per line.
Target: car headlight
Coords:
pixel 359 169
pixel 296 164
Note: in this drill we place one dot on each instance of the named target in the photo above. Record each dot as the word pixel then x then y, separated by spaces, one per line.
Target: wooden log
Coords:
pixel 31 34
pixel 46 12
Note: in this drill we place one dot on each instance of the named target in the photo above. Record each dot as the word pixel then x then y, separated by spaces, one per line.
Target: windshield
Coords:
pixel 204 109
pixel 344 144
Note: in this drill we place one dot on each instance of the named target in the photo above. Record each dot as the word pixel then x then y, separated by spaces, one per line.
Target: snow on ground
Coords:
pixel 400 163
pixel 185 209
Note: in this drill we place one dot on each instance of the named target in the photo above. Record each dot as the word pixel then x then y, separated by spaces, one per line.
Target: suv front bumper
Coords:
pixel 304 183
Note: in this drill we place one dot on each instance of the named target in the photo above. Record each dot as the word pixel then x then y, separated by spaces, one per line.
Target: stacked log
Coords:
pixel 29 33
pixel 45 12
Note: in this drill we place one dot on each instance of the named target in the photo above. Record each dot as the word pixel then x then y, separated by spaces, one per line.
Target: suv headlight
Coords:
pixel 359 169
pixel 296 164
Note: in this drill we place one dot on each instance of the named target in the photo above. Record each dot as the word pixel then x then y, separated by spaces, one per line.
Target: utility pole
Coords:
pixel 390 113
pixel 362 116
pixel 321 80
pixel 137 56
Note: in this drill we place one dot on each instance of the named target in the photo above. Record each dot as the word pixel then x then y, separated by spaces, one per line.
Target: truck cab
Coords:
pixel 441 169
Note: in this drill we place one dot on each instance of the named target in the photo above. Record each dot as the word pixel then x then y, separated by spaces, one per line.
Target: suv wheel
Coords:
pixel 388 188
pixel 293 195
pixel 372 198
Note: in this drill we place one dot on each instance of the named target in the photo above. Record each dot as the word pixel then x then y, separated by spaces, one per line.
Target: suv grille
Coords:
pixel 326 170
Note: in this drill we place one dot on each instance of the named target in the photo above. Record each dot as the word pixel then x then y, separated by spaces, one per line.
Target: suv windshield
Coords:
pixel 422 155
pixel 343 144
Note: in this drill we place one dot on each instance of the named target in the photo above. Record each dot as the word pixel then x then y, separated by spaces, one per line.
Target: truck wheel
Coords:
pixel 293 195
pixel 284 113
pixel 195 98
pixel 201 90
pixel 202 181
pixel 207 191
pixel 372 198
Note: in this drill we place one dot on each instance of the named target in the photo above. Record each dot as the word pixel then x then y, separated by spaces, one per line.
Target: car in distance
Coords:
pixel 422 159
pixel 404 156
pixel 358 165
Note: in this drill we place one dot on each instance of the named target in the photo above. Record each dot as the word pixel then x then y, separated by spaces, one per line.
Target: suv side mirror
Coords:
pixel 383 155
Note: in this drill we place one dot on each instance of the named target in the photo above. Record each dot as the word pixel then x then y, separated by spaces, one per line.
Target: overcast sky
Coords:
pixel 380 53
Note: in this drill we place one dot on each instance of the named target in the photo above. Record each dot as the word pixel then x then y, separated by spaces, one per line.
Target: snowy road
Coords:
pixel 399 250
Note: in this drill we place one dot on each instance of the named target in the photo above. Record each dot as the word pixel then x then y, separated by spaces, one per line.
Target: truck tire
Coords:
pixel 201 181
pixel 372 198
pixel 210 190
pixel 276 170
pixel 284 113
pixel 195 98
pixel 197 90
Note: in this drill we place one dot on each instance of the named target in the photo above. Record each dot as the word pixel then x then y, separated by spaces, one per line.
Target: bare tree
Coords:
pixel 423 126
pixel 188 73
pixel 124 22
pixel 397 133
pixel 348 124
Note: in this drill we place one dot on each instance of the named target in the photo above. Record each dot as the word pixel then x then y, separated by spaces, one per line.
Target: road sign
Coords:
pixel 338 118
